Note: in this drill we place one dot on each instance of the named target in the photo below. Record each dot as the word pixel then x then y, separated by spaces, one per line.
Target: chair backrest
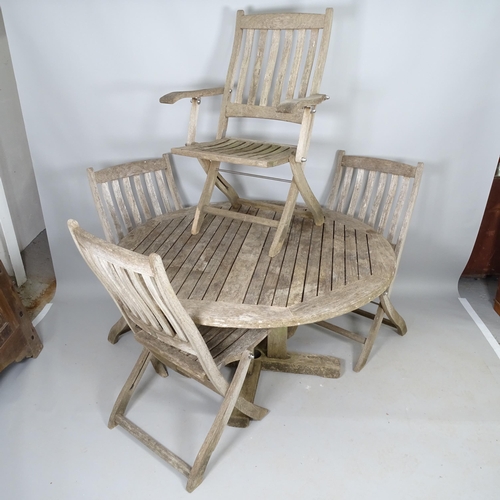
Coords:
pixel 127 195
pixel 381 193
pixel 142 291
pixel 275 57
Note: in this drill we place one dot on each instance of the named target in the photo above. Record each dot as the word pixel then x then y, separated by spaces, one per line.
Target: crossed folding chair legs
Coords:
pixel 298 185
pixel 384 308
pixel 231 400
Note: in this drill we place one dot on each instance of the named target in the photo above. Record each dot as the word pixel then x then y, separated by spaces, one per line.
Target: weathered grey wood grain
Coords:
pixel 142 291
pixel 382 194
pixel 225 271
pixel 126 196
pixel 274 73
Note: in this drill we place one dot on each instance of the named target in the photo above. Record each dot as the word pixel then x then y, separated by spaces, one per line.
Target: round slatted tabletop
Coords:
pixel 225 277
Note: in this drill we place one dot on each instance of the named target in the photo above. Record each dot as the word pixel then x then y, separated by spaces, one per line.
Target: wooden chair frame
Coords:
pixel 126 196
pixel 129 194
pixel 275 72
pixel 381 193
pixel 141 290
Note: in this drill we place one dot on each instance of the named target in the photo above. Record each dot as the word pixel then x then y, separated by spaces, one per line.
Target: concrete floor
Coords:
pixel 421 421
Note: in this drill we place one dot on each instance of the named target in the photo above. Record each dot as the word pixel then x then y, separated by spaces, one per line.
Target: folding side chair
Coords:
pixel 381 193
pixel 129 194
pixel 144 295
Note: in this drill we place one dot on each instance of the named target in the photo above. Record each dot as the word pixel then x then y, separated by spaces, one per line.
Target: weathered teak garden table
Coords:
pixel 225 277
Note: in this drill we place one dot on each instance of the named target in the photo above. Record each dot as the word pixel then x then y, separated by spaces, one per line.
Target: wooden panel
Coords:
pixel 485 257
pixel 18 338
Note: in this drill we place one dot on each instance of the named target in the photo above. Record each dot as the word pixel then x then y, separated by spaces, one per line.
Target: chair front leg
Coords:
pixel 306 192
pixel 392 314
pixel 370 340
pixel 119 328
pixel 200 464
pixel 206 195
pixel 223 186
pixel 130 386
pixel 284 222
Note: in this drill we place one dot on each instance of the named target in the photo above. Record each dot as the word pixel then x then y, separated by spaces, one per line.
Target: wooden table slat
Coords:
pixel 326 264
pixel 199 267
pixel 201 288
pixel 183 264
pixel 364 267
pixel 312 274
pixel 255 286
pixel 295 295
pixel 220 276
pixel 351 256
pixel 288 266
pixel 338 276
pixel 241 273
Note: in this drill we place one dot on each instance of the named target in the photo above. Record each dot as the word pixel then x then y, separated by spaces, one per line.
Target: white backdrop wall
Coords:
pixel 413 81
pixel 16 169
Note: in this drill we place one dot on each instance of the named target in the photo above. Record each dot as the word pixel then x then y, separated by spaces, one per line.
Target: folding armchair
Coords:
pixel 381 193
pixel 128 195
pixel 275 73
pixel 144 295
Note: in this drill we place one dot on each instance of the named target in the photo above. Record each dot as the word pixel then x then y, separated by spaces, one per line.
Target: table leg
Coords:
pixel 279 359
pixel 276 357
pixel 248 391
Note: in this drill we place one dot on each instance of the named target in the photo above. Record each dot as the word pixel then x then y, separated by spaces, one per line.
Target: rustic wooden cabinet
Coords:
pixel 18 337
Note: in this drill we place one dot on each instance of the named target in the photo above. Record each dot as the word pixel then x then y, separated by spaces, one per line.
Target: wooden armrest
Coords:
pixel 173 97
pixel 293 105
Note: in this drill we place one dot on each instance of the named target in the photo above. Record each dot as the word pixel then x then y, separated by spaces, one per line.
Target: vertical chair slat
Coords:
pixel 245 63
pixel 311 53
pixel 388 201
pixel 172 186
pixel 134 211
pixel 285 58
pixel 294 73
pixel 367 195
pixel 379 194
pixel 398 209
pixel 163 191
pixel 141 197
pixel 257 67
pixel 151 190
pixel 337 178
pixel 344 189
pixel 322 53
pixel 270 67
pixel 356 193
pixel 106 194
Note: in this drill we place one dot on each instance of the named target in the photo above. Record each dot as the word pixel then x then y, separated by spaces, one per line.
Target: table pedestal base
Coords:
pixel 238 419
pixel 306 364
pixel 295 362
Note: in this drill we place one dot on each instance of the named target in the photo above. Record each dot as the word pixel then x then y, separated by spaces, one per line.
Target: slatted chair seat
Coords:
pixel 275 72
pixel 224 344
pixel 142 291
pixel 381 193
pixel 239 152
